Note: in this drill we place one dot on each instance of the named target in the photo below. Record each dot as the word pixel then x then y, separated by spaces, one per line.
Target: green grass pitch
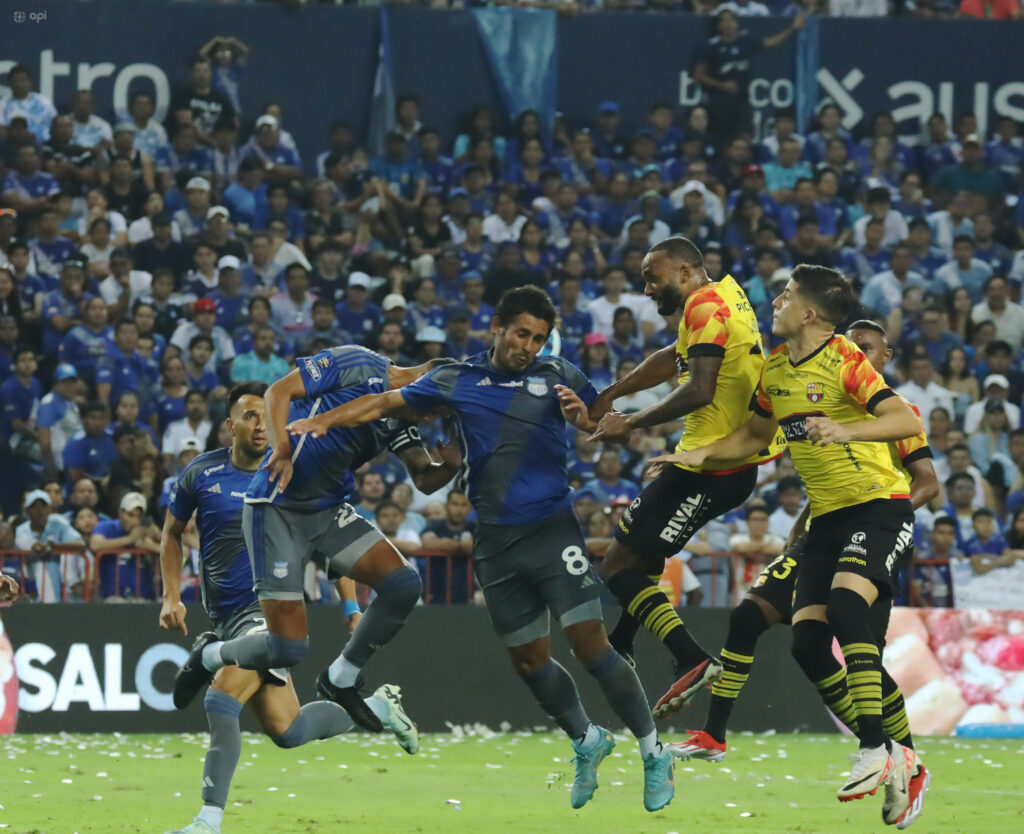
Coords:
pixel 479 781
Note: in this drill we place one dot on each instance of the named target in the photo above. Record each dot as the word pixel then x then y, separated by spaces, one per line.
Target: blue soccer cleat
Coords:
pixel 588 759
pixel 659 781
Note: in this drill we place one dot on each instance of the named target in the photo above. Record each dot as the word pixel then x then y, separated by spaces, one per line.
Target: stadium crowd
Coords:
pixel 147 267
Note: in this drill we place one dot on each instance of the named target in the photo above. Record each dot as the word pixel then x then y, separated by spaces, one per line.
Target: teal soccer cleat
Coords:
pixel 197 826
pixel 588 759
pixel 659 781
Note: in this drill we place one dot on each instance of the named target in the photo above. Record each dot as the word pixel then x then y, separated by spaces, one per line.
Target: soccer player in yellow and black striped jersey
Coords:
pixel 838 415
pixel 718 359
pixel 770 600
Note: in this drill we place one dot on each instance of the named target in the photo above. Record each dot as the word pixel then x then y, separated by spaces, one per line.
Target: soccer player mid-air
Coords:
pixel 770 600
pixel 838 416
pixel 718 359
pixel 529 555
pixel 212 488
pixel 296 510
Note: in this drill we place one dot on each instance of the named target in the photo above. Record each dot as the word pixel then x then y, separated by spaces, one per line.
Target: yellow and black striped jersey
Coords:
pixel 718 320
pixel 838 382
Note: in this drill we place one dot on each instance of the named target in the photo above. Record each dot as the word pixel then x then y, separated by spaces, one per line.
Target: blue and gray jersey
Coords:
pixel 322 466
pixel 213 485
pixel 513 431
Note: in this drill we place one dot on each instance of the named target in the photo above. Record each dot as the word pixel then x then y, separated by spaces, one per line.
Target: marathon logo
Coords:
pixel 681 518
pixel 854 560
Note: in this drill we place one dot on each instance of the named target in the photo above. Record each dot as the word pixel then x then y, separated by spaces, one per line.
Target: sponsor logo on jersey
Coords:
pixel 313 370
pixel 512 383
pixel 280 569
pixel 237 494
pixel 537 385
pixel 903 541
pixel 485 381
pixel 815 391
pixel 681 518
pixel 858 538
pixel 776 391
pixel 375 380
pixel 212 469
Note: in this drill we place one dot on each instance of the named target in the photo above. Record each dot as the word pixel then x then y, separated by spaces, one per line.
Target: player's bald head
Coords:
pixel 871 339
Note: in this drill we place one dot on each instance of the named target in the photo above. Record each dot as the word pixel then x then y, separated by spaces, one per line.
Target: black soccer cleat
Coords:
pixel 193 676
pixel 349 699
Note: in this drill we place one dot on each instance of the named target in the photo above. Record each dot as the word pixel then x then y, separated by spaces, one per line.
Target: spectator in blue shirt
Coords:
pixel 480 312
pixel 610 142
pixel 406 179
pixel 91 452
pixel 261 364
pixel 125 575
pixel 247 197
pixel 20 395
pixel 935 337
pixel 184 155
pixel 461 344
pixel 780 176
pixel 623 342
pixel 357 314
pixel 927 258
pixel 62 308
pixel 608 482
pixel 123 368
pixel 440 169
pixel 27 189
pixel 281 164
pixel 964 270
pixel 884 292
pixel 87 343
pixel 277 207
pixel 805 204
pixel 423 312
pixel 199 377
pixel 987 540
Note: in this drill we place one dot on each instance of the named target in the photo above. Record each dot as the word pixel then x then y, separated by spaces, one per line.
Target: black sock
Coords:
pixel 849 615
pixel 746 624
pixel 623 635
pixel 812 649
pixel 894 712
pixel 647 603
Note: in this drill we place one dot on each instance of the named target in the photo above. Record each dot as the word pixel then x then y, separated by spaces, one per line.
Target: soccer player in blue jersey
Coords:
pixel 529 555
pixel 212 487
pixel 296 509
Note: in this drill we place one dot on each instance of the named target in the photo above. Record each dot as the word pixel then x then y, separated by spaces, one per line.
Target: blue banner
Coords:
pixel 521 48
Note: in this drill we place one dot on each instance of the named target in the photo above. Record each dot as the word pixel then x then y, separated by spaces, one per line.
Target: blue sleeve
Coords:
pixel 73 457
pixel 107 529
pixel 48 414
pixel 182 501
pixel 105 370
pixel 319 373
pixel 432 390
pixel 293 158
pixel 577 380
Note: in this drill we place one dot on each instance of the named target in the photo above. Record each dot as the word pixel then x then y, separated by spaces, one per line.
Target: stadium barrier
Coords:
pixel 61 576
pixel 112 670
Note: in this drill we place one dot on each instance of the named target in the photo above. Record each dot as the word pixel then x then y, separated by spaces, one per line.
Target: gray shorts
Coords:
pixel 248 621
pixel 281 541
pixel 526 571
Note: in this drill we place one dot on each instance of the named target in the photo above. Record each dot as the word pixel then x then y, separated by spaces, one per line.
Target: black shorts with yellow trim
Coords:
pixel 777 582
pixel 872 540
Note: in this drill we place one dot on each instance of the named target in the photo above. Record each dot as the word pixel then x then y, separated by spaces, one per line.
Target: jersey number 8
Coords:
pixel 575 562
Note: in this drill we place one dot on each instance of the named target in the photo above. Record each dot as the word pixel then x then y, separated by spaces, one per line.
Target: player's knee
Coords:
pixel 293 735
pixel 402 588
pixel 844 606
pixel 811 638
pixel 747 620
pixel 284 652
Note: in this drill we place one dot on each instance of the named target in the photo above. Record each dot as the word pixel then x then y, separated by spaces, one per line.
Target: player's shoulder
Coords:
pixel 557 366
pixel 206 464
pixel 845 349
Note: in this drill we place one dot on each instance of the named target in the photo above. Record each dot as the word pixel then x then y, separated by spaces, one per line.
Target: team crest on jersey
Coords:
pixel 280 569
pixel 537 385
pixel 815 391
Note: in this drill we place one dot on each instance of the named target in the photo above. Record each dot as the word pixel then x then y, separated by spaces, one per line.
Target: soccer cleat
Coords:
pixel 349 699
pixel 587 760
pixel 193 676
pixel 197 826
pixel 700 745
pixel 397 720
pixel 918 787
pixel 659 780
pixel 897 789
pixel 682 691
pixel 872 766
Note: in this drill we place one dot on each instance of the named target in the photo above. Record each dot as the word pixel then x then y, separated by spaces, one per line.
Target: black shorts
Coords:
pixel 871 540
pixel 675 505
pixel 777 582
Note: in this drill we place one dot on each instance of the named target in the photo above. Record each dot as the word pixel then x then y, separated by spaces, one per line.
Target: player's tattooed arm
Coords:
pixel 172 613
pixel 697 392
pixel 756 434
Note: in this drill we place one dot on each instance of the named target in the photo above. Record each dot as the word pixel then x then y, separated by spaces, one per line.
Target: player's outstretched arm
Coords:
pixel 430 475
pixel 894 420
pixel 358 412
pixel 172 613
pixel 756 434
pixel 924 482
pixel 697 392
pixel 654 370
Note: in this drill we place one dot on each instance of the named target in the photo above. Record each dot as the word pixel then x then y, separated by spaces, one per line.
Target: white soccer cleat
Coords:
pixel 699 745
pixel 197 826
pixel 897 789
pixel 872 766
pixel 397 720
pixel 918 787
